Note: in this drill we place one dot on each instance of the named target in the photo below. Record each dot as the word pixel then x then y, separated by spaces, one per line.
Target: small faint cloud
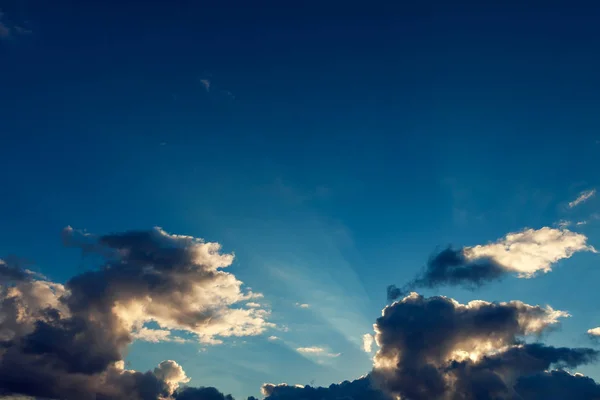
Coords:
pixel 253 305
pixel 581 223
pixel 302 305
pixel 273 338
pixel 310 350
pixel 367 340
pixel 8 30
pixel 4 31
pixel 206 84
pixel 22 31
pixel 563 223
pixel 318 351
pixel 583 196
pixel 594 332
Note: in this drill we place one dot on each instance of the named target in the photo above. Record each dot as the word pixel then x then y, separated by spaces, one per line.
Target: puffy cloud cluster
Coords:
pixel 67 341
pixel 437 348
pixel 524 253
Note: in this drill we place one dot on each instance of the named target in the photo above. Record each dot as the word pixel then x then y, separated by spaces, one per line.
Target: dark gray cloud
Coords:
pixel 10 272
pixel 558 385
pixel 436 348
pixel 203 393
pixel 360 389
pixel 452 267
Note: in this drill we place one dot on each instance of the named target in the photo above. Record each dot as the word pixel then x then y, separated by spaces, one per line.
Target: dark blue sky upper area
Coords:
pixel 373 102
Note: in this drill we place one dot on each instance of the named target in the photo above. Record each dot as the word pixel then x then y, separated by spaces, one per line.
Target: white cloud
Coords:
pixel 302 305
pixel 594 332
pixel 583 196
pixel 273 338
pixel 531 251
pixel 367 340
pixel 317 351
pixel 252 305
pixel 310 350
pixel 156 335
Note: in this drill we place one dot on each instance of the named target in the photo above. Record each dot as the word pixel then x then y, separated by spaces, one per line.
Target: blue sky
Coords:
pixel 331 149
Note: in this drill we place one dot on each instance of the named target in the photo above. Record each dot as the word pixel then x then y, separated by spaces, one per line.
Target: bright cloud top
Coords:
pixel 583 197
pixel 531 251
pixel 367 341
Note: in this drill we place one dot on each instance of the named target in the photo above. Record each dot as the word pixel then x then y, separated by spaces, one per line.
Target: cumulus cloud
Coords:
pixel 525 253
pixel 437 348
pixel 173 280
pixel 67 341
pixel 367 341
pixel 583 197
pixel 302 305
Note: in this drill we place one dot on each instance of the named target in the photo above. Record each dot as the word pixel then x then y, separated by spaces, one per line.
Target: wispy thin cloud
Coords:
pixel 317 351
pixel 206 84
pixel 273 338
pixel 583 197
pixel 302 305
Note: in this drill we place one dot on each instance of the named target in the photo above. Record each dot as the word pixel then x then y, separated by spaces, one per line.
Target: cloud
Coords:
pixel 317 351
pixel 583 197
pixel 360 389
pixel 4 31
pixel 204 393
pixel 558 384
pixel 432 348
pixel 302 305
pixel 12 272
pixel 156 335
pixel 367 341
pixel 595 332
pixel 8 30
pixel 206 84
pixel 273 338
pixel 310 350
pixel 174 280
pixel 68 341
pixel 525 253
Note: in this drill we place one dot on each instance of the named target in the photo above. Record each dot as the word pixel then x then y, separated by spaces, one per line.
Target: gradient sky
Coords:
pixel 331 148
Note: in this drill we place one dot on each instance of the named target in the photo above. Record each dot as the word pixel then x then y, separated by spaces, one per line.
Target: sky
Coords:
pixel 331 151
